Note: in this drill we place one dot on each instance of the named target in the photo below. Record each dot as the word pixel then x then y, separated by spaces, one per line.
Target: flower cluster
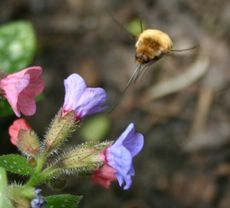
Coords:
pixel 105 162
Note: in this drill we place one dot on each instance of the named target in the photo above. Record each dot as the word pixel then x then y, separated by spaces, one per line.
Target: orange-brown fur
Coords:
pixel 151 44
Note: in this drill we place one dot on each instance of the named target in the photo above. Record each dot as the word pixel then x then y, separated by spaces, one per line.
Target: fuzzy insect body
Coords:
pixel 151 45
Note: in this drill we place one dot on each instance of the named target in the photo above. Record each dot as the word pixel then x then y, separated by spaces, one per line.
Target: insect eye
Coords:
pixel 142 58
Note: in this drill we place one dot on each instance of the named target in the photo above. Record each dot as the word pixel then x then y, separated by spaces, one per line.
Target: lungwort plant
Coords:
pixel 43 160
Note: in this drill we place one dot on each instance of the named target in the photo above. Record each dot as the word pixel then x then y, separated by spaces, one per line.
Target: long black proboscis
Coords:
pixel 131 81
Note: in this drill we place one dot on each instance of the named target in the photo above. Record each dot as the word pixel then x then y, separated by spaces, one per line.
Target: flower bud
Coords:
pixel 28 142
pixel 20 202
pixel 18 196
pixel 39 200
pixel 24 137
pixel 59 130
pixel 82 159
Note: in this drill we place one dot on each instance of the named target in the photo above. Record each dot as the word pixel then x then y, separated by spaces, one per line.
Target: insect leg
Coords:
pixel 185 49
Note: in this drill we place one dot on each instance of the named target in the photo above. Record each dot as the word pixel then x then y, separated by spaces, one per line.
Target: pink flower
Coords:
pixel 81 99
pixel 14 129
pixel 21 88
pixel 104 176
pixel 118 159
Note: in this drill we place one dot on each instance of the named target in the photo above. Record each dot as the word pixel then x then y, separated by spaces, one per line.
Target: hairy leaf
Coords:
pixel 63 200
pixel 16 164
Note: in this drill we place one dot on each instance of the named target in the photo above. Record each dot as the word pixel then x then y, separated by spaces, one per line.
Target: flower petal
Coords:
pixel 26 99
pixel 125 181
pixel 36 85
pixel 74 88
pixel 27 104
pixel 12 85
pixel 81 99
pixel 20 89
pixel 121 153
pixel 91 101
pixel 129 131
pixel 120 159
pixel 104 176
pixel 128 182
pixel 134 142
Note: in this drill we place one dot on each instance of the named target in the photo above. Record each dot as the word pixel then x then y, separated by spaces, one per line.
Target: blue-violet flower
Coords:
pixel 118 159
pixel 82 99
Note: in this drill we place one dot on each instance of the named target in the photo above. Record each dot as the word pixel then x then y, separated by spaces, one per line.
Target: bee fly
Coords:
pixel 151 45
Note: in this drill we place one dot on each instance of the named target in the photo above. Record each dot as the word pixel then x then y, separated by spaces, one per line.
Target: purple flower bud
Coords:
pixel 119 157
pixel 38 201
pixel 82 99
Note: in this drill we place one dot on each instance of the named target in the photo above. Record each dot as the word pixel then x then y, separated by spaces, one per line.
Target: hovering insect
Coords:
pixel 151 45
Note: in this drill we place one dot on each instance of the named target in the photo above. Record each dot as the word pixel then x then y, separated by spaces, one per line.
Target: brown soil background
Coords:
pixel 186 158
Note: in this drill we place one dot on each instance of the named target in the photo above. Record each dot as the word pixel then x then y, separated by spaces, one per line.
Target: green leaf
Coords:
pixel 134 27
pixel 17 46
pixel 95 128
pixel 16 164
pixel 4 201
pixel 63 200
pixel 5 109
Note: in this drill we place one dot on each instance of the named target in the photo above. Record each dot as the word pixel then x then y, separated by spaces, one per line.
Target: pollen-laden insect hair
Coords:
pixel 152 44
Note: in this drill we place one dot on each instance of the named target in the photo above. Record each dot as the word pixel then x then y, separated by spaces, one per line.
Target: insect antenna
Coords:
pixel 141 25
pixel 123 27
